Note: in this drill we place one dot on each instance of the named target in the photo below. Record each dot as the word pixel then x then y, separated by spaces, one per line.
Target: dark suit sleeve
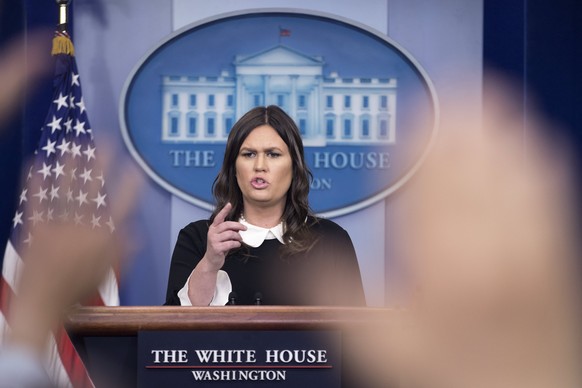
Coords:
pixel 349 290
pixel 189 250
pixel 338 276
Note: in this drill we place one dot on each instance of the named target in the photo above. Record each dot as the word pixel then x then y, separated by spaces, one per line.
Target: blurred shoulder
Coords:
pixel 325 226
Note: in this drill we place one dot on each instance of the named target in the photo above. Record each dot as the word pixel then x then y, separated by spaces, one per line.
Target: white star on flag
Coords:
pixel 70 197
pixel 58 170
pixel 69 125
pixel 17 220
pixel 79 127
pixel 95 221
pixel 54 192
pixel 28 239
pixel 41 195
pixel 110 224
pixel 23 196
pixel 61 101
pixel 45 170
pixel 36 217
pixel 100 179
pixel 86 175
pixel 55 124
pixel 75 80
pixel 89 152
pixel 81 105
pixel 64 146
pixel 82 198
pixel 75 149
pixel 49 148
pixel 100 200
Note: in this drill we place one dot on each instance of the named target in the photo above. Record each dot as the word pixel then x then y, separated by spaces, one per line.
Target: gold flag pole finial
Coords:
pixel 62 43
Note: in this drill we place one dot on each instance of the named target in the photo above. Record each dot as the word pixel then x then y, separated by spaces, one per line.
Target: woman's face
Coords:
pixel 264 168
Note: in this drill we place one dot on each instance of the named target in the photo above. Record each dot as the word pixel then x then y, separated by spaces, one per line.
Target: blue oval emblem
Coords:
pixel 355 94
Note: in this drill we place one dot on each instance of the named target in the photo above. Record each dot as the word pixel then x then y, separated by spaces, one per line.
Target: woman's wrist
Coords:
pixel 206 266
pixel 202 283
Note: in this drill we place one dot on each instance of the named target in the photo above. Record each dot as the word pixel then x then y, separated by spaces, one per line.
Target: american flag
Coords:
pixel 69 187
pixel 285 32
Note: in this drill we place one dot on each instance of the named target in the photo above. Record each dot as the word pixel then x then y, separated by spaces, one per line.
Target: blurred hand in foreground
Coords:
pixel 490 250
pixel 22 62
pixel 67 260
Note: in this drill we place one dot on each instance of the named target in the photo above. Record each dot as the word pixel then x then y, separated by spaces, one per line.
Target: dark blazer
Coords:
pixel 328 274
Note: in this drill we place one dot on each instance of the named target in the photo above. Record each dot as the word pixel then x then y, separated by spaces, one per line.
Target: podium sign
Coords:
pixel 239 358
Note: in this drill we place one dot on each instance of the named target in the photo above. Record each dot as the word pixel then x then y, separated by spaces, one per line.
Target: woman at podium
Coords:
pixel 262 244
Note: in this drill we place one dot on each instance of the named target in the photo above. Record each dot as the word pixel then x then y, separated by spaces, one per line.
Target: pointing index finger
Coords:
pixel 221 216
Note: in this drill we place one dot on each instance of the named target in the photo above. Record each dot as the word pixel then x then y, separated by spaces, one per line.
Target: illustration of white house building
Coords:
pixel 328 109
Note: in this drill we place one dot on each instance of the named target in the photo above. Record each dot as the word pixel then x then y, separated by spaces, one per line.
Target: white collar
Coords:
pixel 255 235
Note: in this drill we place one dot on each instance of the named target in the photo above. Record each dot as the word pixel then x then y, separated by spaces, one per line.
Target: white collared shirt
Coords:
pixel 254 236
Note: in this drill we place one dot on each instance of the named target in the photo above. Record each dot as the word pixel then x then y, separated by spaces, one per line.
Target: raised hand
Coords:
pixel 222 237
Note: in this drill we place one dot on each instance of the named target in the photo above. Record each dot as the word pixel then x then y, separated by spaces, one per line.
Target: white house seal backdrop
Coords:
pixel 354 94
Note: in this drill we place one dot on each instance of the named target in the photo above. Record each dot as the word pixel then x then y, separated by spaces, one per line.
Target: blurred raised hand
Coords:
pixel 23 61
pixel 488 237
pixel 66 259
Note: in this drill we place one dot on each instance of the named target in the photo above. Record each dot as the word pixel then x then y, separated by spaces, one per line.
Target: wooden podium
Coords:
pixel 106 337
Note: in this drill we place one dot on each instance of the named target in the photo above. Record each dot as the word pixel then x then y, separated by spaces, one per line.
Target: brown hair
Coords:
pixel 225 188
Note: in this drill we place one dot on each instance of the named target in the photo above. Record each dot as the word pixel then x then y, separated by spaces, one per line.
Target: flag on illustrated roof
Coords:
pixel 69 186
pixel 284 32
